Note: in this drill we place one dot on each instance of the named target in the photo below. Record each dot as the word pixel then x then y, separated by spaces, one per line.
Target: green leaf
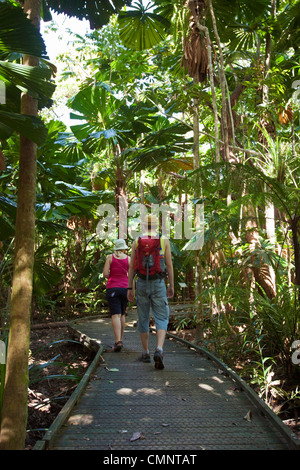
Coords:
pixel 7 230
pixel 17 33
pixel 32 80
pixel 140 29
pixel 97 12
pixel 8 206
pixel 45 277
pixel 29 126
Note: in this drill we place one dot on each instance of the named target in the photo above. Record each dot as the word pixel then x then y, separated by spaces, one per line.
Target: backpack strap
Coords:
pixel 162 244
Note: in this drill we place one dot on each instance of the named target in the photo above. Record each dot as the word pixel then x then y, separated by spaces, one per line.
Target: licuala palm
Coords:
pixel 164 147
pixel 110 128
pixel 135 133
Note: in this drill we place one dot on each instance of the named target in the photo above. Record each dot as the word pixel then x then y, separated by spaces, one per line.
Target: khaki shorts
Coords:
pixel 151 297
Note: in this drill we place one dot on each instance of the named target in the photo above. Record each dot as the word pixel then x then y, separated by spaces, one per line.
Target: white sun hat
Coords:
pixel 120 245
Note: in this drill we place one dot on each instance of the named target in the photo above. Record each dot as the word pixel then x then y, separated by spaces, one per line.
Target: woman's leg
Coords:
pixel 118 328
pixel 122 321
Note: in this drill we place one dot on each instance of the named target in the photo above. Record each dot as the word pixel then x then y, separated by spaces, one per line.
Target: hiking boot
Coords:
pixel 145 358
pixel 158 359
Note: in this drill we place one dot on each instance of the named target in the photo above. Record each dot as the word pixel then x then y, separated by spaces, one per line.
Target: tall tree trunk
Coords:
pixel 208 59
pixel 142 186
pixel 294 227
pixel 269 209
pixel 14 413
pixel 267 272
pixel 121 202
pixel 225 104
pixel 196 158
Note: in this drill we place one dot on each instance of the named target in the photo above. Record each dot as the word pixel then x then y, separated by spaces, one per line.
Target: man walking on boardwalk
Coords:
pixel 151 265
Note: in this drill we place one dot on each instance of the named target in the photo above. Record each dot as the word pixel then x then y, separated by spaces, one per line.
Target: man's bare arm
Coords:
pixel 169 268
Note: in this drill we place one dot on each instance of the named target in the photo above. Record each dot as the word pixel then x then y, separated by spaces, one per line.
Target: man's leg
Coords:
pixel 143 309
pixel 160 310
pixel 160 339
pixel 145 341
pixel 158 354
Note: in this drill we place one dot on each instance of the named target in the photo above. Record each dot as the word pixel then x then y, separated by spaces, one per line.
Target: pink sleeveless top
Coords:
pixel 118 273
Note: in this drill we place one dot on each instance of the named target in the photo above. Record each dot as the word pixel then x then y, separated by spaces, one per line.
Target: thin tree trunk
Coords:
pixel 142 187
pixel 225 104
pixel 121 202
pixel 204 29
pixel 269 208
pixel 14 413
pixel 294 228
pixel 196 157
pixel 68 279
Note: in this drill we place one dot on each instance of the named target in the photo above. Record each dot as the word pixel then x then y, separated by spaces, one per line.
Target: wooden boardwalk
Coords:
pixel 190 405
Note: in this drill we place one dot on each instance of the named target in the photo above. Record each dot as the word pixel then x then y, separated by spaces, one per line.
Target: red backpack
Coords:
pixel 149 262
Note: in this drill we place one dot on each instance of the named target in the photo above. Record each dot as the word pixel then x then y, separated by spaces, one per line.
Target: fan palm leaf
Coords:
pixel 97 12
pixel 17 34
pixel 140 28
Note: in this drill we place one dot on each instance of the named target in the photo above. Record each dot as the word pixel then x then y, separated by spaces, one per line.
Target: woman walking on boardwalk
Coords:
pixel 116 271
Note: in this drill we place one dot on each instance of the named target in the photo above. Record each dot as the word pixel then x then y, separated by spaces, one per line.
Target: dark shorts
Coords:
pixel 117 300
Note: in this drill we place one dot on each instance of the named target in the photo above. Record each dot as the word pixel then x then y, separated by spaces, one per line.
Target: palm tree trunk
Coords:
pixel 14 413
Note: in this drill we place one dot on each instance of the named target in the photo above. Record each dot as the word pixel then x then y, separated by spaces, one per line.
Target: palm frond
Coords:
pixel 17 33
pixel 141 29
pixel 29 126
pixel 97 12
pixel 31 80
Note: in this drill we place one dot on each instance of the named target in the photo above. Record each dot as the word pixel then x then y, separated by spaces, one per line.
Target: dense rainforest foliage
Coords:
pixel 192 104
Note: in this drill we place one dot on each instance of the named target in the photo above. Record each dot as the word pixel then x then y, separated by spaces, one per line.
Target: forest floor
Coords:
pixel 48 392
pixel 53 354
